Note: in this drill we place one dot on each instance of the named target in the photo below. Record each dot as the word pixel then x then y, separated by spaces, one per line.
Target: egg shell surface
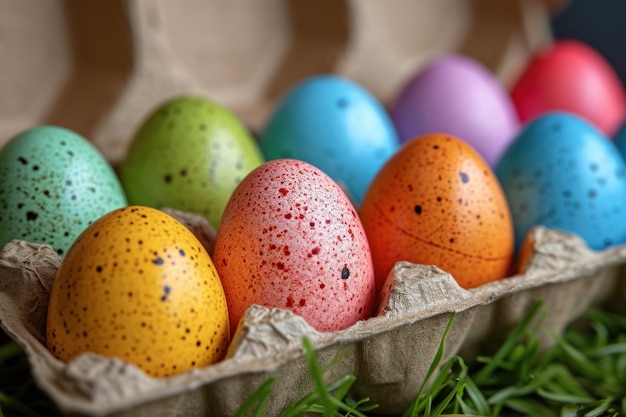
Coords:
pixel 562 172
pixel 571 76
pixel 457 95
pixel 190 154
pixel 619 139
pixel 53 184
pixel 137 285
pixel 437 202
pixel 290 238
pixel 336 125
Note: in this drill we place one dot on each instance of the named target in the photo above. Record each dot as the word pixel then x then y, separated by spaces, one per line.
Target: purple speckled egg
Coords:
pixel 455 94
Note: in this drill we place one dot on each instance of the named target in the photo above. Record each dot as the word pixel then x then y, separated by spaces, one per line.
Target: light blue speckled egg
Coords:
pixel 336 125
pixel 619 138
pixel 562 173
pixel 53 184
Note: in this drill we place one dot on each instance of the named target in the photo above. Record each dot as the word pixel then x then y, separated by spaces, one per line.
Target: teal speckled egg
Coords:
pixel 53 184
pixel 190 154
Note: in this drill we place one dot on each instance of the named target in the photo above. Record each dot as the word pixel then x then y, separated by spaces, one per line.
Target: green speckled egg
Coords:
pixel 189 155
pixel 53 184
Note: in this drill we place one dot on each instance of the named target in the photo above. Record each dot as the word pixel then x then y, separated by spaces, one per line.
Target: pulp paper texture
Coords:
pixel 389 353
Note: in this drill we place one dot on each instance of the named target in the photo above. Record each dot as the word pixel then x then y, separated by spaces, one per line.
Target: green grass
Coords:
pixel 583 374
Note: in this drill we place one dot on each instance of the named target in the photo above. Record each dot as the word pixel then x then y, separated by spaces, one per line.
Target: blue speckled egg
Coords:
pixel 53 184
pixel 562 173
pixel 619 138
pixel 336 125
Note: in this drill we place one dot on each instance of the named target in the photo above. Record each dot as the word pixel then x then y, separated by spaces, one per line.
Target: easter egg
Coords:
pixel 137 285
pixel 290 238
pixel 619 139
pixel 335 125
pixel 437 202
pixel 573 77
pixel 53 184
pixel 190 154
pixel 455 94
pixel 561 172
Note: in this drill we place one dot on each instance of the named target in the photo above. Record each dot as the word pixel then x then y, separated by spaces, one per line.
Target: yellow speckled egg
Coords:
pixel 139 286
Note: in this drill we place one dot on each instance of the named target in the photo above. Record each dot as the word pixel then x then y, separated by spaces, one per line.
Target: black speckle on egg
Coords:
pixel 31 216
pixel 418 209
pixel 345 273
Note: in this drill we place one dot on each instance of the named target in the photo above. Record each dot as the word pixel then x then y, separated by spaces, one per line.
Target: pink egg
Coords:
pixel 291 238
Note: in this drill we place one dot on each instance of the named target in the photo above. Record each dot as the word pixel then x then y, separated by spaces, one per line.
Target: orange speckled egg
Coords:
pixel 290 238
pixel 437 202
pixel 139 286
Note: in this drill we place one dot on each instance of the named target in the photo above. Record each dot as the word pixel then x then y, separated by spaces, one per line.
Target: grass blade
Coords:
pixel 598 408
pixel 508 346
pixel 528 407
pixel 414 409
pixel 563 398
pixel 258 398
pixel 481 405
pixel 317 376
pixel 8 351
pixel 18 406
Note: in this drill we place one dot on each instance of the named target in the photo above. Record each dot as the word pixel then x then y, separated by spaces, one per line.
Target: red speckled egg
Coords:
pixel 290 238
pixel 571 76
pixel 437 202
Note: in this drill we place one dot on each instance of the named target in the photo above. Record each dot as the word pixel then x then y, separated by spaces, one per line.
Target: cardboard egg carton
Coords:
pixel 389 354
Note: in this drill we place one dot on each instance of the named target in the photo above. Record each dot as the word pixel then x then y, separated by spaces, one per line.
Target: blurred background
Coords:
pixel 599 23
pixel 100 67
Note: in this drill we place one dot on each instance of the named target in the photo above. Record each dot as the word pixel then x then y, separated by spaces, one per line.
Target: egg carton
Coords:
pixel 99 68
pixel 388 353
